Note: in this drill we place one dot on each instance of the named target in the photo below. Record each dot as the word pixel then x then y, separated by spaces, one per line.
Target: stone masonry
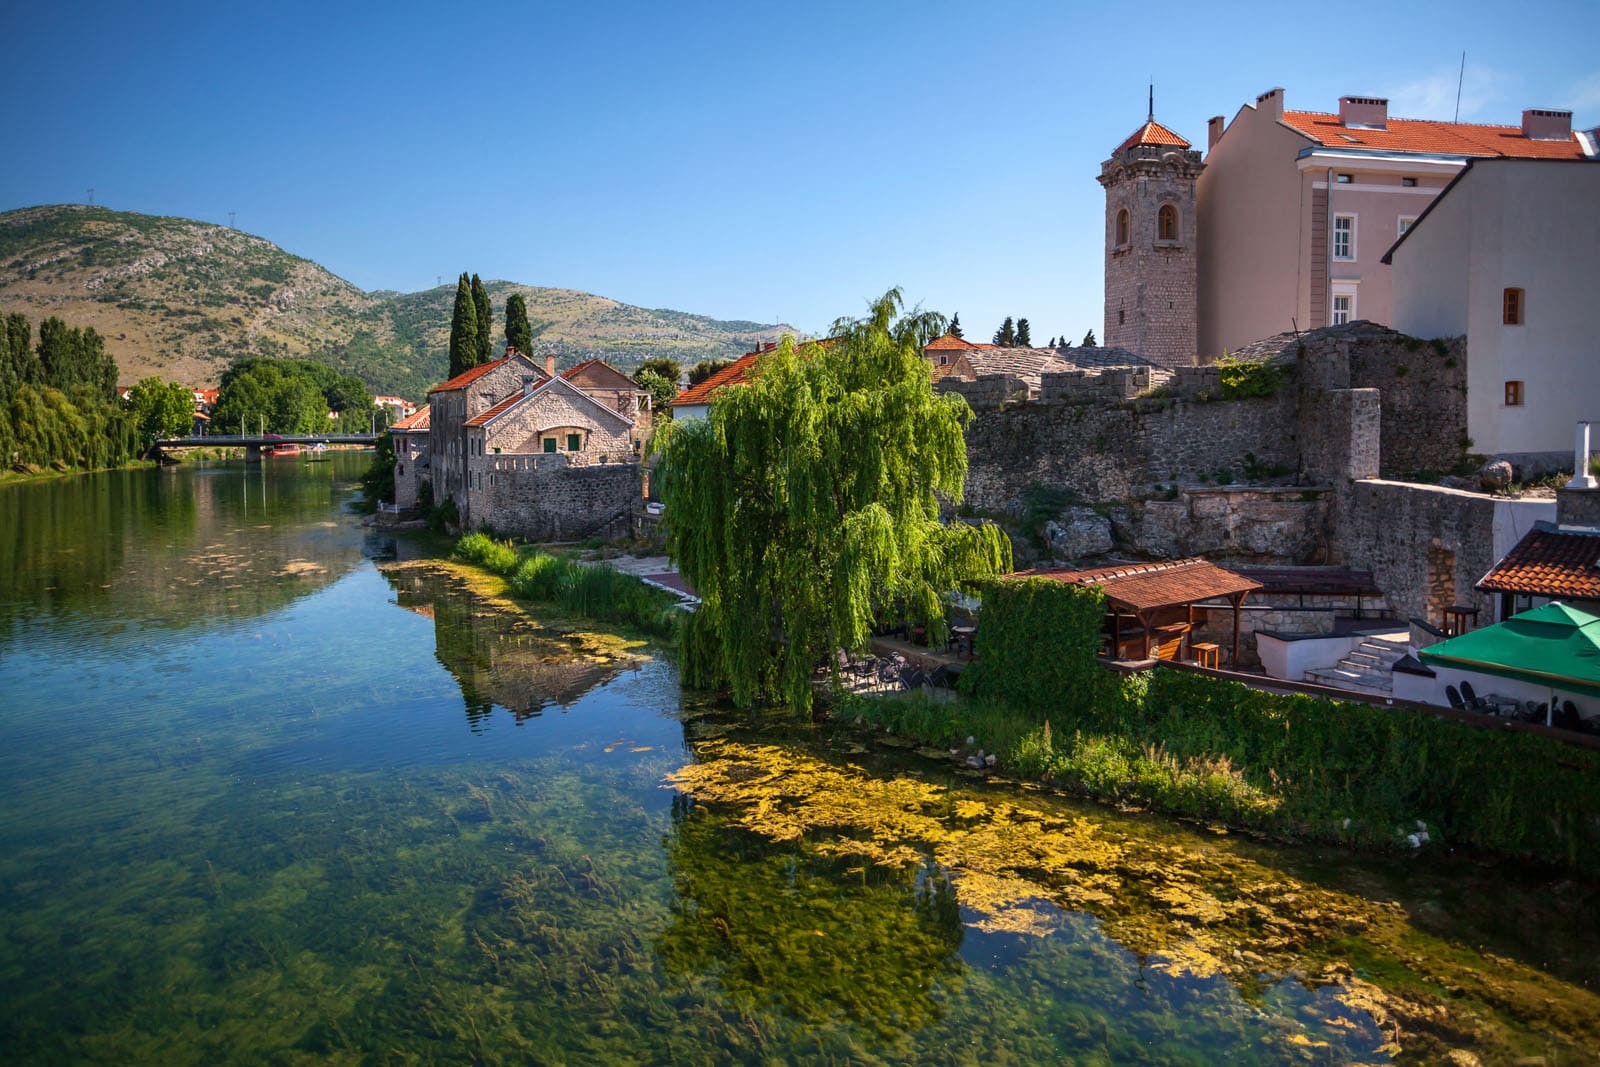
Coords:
pixel 543 498
pixel 1150 283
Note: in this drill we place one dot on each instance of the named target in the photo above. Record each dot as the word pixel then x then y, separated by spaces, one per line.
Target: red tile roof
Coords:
pixel 1152 133
pixel 504 405
pixel 950 342
pixel 1144 586
pixel 417 420
pixel 736 373
pixel 1549 562
pixel 467 377
pixel 1443 138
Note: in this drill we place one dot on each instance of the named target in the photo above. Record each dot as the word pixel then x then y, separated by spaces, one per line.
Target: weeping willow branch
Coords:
pixel 808 503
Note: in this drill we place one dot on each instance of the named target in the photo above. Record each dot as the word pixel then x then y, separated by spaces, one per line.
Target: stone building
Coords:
pixel 517 447
pixel 1151 245
pixel 411 456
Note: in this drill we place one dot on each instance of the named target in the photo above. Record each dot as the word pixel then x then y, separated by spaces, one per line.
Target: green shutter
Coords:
pixel 549 444
pixel 573 442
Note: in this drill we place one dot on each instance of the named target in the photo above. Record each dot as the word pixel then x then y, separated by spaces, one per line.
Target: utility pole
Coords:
pixel 91 196
pixel 230 220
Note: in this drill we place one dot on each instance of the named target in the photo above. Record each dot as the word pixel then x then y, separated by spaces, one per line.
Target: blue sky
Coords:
pixel 750 160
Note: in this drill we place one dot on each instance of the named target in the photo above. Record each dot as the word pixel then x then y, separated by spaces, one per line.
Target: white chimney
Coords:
pixel 529 382
pixel 1581 478
pixel 1543 124
pixel 1364 112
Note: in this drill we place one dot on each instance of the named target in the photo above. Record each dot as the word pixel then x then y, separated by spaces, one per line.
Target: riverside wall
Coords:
pixel 543 498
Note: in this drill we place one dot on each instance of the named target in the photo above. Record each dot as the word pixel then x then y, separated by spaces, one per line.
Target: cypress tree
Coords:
pixel 1006 335
pixel 519 334
pixel 1024 339
pixel 485 313
pixel 1089 341
pixel 955 325
pixel 463 330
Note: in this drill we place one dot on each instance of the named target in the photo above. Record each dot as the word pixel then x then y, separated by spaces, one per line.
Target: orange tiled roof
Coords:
pixel 467 377
pixel 417 420
pixel 1443 138
pixel 1144 586
pixel 504 405
pixel 1154 133
pixel 950 342
pixel 736 373
pixel 1549 562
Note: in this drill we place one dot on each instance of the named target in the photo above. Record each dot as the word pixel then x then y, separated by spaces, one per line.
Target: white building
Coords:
pixel 1509 254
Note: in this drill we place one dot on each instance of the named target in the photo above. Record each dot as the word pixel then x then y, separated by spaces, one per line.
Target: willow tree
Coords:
pixel 806 506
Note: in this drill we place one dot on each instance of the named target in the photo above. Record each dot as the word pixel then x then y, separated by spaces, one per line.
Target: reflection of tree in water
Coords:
pixel 500 657
pixel 786 928
pixel 172 547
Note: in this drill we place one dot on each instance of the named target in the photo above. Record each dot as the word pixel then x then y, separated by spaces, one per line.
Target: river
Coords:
pixel 276 788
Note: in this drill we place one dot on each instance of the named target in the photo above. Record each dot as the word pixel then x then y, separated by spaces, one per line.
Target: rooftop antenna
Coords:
pixel 230 220
pixel 1459 79
pixel 1152 117
pixel 91 196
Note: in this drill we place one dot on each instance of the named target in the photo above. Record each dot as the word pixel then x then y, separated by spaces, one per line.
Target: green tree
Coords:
pixel 955 325
pixel 463 330
pixel 519 334
pixel 809 500
pixel 705 369
pixel 1024 337
pixel 670 369
pixel 485 319
pixel 1089 341
pixel 160 409
pixel 1006 335
pixel 662 391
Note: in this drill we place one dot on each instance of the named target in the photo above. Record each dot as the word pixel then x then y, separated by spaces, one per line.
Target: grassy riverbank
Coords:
pixel 16 477
pixel 595 591
pixel 1292 767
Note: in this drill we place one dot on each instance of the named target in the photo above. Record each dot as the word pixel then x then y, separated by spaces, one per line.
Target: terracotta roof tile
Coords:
pixel 467 377
pixel 950 343
pixel 1443 138
pixel 417 420
pixel 1143 586
pixel 504 405
pixel 1549 562
pixel 735 373
pixel 1152 133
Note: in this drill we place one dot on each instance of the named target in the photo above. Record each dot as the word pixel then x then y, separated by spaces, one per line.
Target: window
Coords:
pixel 574 442
pixel 1167 223
pixel 1344 237
pixel 1511 313
pixel 1405 224
pixel 1122 316
pixel 1513 394
pixel 1409 183
pixel 943 360
pixel 1122 227
pixel 549 444
pixel 1342 303
pixel 1344 179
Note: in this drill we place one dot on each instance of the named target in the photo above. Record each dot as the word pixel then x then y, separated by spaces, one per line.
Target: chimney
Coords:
pixel 1271 102
pixel 511 350
pixel 550 365
pixel 1543 124
pixel 1581 478
pixel 1364 112
pixel 528 382
pixel 1214 127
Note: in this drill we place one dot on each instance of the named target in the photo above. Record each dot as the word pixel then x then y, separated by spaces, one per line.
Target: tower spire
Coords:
pixel 1152 116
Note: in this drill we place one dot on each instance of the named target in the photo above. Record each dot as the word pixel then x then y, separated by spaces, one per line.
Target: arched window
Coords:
pixel 1167 223
pixel 1122 227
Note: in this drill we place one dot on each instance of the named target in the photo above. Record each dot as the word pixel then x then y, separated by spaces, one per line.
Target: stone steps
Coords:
pixel 1368 667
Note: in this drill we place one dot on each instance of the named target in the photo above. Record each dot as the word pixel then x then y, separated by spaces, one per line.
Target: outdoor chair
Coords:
pixel 1470 697
pixel 1565 717
pixel 913 678
pixel 1454 696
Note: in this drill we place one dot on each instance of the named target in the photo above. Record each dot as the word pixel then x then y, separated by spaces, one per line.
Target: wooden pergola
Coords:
pixel 1145 591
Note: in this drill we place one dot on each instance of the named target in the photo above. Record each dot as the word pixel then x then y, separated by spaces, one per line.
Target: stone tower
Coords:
pixel 1150 245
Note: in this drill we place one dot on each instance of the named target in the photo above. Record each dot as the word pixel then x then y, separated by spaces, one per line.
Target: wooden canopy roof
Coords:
pixel 1141 587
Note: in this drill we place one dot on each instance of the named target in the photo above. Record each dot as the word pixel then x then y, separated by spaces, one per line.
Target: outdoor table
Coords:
pixel 963 635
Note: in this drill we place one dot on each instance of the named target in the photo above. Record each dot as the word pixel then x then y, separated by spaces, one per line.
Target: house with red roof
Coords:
pixel 695 401
pixel 1296 209
pixel 521 448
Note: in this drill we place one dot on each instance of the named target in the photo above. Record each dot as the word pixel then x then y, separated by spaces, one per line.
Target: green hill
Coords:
pixel 182 299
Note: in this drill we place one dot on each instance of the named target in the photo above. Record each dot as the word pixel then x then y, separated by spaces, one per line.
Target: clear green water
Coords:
pixel 263 801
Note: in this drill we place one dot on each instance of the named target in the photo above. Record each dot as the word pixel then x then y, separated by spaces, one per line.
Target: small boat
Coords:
pixel 317 453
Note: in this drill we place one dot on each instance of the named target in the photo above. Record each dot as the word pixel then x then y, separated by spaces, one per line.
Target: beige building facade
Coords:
pixel 1509 254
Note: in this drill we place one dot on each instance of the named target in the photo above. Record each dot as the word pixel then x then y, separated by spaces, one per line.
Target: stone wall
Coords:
pixel 1102 450
pixel 543 498
pixel 1150 284
pixel 1243 525
pixel 604 434
pixel 1578 507
pixel 410 466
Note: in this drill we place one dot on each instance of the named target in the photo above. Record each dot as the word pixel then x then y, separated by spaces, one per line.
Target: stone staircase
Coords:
pixel 1368 667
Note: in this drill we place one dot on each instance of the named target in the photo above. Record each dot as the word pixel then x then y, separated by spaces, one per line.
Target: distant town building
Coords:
pixel 1509 254
pixel 397 407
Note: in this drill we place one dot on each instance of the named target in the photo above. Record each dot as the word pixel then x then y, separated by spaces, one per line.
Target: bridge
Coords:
pixel 254 443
